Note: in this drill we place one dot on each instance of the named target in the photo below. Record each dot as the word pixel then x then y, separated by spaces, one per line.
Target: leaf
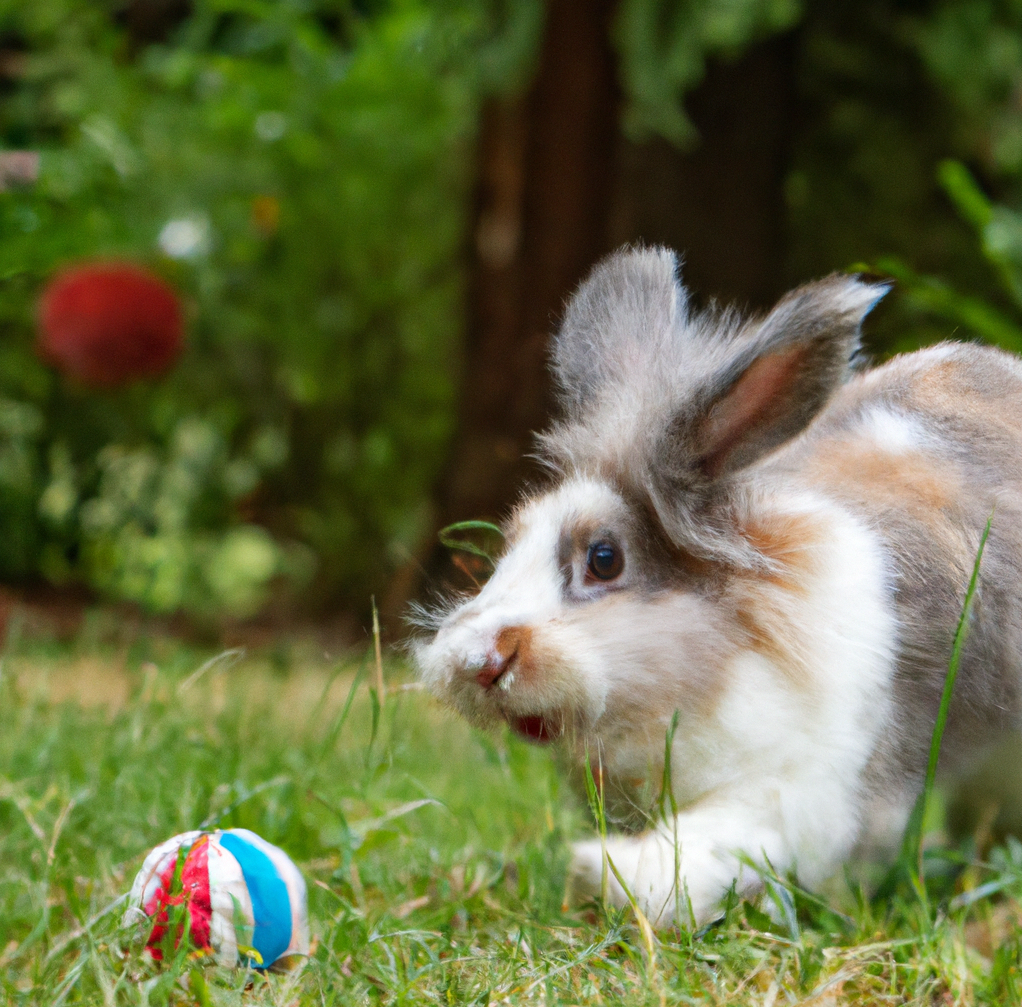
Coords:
pixel 970 201
pixel 368 825
pixel 756 918
pixel 374 701
pixel 929 294
pixel 449 537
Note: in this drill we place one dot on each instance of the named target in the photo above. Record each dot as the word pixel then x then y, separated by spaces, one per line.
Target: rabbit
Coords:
pixel 748 533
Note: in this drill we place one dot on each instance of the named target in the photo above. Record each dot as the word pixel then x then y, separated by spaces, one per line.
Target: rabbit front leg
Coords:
pixel 685 867
pixel 680 871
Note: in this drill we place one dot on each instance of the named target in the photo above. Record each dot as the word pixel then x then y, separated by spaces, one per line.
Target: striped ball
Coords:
pixel 243 899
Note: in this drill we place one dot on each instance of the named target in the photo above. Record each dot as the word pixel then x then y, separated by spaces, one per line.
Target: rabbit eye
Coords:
pixel 606 561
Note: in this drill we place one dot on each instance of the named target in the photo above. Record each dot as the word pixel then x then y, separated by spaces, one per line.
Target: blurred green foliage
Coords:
pixel 664 45
pixel 902 102
pixel 299 171
pixel 999 230
pixel 973 51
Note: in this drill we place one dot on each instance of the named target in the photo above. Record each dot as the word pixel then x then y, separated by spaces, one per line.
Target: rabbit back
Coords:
pixel 924 450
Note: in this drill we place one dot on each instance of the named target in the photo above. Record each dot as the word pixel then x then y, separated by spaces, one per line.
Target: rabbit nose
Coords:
pixel 505 649
pixel 492 670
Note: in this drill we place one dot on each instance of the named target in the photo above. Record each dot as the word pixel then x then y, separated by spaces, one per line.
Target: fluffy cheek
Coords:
pixel 554 678
pixel 648 659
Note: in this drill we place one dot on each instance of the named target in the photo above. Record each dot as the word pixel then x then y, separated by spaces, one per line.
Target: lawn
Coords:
pixel 435 855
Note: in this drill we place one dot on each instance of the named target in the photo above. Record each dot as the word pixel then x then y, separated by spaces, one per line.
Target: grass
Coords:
pixel 435 855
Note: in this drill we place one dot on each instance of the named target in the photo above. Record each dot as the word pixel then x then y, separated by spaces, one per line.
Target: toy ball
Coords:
pixel 243 899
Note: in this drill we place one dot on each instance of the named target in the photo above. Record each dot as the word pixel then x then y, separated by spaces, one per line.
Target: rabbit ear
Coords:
pixel 670 404
pixel 784 372
pixel 630 306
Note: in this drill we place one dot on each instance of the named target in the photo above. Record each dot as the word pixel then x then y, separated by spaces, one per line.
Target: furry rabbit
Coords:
pixel 743 530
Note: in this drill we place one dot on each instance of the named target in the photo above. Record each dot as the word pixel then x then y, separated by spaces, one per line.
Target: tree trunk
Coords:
pixel 558 188
pixel 722 204
pixel 545 181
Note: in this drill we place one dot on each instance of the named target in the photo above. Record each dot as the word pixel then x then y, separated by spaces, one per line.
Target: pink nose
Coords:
pixel 492 670
pixel 511 643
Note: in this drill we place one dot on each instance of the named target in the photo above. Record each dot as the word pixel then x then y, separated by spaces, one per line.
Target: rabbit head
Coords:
pixel 608 594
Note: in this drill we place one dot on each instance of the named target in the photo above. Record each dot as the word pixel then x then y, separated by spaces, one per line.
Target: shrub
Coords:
pixel 298 173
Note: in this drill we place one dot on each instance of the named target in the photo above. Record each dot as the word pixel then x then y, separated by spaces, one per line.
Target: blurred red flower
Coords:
pixel 106 324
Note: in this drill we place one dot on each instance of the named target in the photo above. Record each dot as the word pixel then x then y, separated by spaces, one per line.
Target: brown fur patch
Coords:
pixel 765 629
pixel 516 642
pixel 967 384
pixel 768 619
pixel 767 605
pixel 575 540
pixel 922 486
pixel 789 541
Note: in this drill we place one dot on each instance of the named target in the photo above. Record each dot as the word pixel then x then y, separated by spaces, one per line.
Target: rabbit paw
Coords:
pixel 642 863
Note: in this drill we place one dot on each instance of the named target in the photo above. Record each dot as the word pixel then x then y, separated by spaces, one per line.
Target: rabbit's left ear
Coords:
pixel 620 326
pixel 782 374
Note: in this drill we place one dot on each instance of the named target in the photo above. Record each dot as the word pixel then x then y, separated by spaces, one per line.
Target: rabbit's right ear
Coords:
pixel 783 372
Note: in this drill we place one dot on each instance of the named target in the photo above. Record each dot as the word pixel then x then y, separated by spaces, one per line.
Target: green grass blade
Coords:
pixel 667 798
pixel 914 831
pixel 334 731
pixel 594 794
pixel 449 537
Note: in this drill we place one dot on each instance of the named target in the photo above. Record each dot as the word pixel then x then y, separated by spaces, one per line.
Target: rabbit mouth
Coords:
pixel 535 728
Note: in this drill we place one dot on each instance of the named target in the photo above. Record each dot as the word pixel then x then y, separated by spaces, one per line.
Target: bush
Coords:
pixel 298 173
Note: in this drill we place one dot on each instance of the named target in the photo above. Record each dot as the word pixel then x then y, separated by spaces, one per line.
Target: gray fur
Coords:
pixel 630 311
pixel 638 375
pixel 797 541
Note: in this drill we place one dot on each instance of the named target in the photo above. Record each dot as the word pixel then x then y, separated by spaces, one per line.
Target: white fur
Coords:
pixel 893 432
pixel 773 771
pixel 524 590
pixel 780 764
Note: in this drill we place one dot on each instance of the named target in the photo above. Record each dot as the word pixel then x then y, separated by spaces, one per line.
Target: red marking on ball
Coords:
pixel 193 893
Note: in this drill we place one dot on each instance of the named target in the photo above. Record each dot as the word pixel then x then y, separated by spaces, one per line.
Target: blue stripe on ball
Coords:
pixel 271 904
